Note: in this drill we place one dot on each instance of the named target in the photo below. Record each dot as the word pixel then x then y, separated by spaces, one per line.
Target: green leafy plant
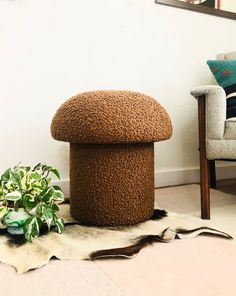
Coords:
pixel 30 189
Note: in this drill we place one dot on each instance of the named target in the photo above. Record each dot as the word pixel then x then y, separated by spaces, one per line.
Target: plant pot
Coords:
pixel 14 221
pixel 15 230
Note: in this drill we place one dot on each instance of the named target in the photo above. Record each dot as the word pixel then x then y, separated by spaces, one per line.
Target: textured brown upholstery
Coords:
pixel 112 184
pixel 101 117
pixel 111 135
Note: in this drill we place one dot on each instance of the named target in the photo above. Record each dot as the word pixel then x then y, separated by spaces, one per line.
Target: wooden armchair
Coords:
pixel 217 135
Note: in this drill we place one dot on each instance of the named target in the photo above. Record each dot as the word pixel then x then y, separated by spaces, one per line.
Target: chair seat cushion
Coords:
pixel 221 149
pixel 230 129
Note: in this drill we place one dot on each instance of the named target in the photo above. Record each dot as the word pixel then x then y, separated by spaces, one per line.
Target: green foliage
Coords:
pixel 23 187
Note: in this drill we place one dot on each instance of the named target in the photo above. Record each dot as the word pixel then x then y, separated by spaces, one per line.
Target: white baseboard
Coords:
pixel 173 177
pixel 192 175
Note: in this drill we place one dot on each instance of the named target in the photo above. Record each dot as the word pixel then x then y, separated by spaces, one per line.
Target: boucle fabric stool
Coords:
pixel 111 135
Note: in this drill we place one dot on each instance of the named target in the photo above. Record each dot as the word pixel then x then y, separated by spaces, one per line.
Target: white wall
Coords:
pixel 53 49
pixel 228 5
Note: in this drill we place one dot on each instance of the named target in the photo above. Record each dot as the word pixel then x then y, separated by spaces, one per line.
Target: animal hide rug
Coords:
pixel 90 243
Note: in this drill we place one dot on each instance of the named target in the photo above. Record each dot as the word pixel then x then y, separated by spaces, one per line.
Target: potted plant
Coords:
pixel 28 201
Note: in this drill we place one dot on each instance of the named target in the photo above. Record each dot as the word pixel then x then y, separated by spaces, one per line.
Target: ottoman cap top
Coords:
pixel 106 116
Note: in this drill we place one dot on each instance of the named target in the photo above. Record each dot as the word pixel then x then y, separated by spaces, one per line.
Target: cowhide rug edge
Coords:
pixel 93 243
pixel 168 235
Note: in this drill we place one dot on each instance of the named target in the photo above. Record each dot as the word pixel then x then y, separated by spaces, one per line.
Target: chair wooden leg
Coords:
pixel 205 187
pixel 204 162
pixel 212 174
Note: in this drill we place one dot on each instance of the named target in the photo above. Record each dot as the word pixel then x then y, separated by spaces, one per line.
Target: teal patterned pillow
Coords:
pixel 225 74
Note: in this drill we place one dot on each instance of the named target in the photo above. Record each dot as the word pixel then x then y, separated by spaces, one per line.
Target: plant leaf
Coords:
pixel 46 168
pixel 58 194
pixel 31 228
pixel 36 176
pixel 3 212
pixel 59 224
pixel 29 202
pixel 24 182
pixel 15 177
pixel 47 197
pixel 55 172
pixel 55 208
pixel 38 166
pixel 13 196
pixel 48 180
pixel 6 175
pixel 48 215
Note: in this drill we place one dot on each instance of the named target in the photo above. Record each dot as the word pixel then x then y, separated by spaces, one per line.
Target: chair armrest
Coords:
pixel 206 89
pixel 215 100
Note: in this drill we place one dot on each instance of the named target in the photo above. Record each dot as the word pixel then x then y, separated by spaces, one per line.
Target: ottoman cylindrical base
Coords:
pixel 112 184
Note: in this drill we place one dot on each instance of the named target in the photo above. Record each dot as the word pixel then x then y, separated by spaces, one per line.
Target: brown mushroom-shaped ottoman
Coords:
pixel 111 135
